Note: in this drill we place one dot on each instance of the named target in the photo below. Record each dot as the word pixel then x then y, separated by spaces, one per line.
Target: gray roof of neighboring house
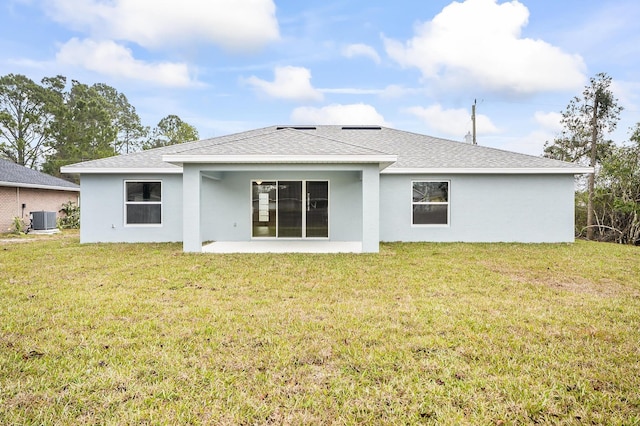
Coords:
pixel 413 151
pixel 14 175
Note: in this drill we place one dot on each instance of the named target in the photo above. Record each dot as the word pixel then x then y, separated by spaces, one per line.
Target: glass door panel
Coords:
pixel 264 209
pixel 317 207
pixel 290 209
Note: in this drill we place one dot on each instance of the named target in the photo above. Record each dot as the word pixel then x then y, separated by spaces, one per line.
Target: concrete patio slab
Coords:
pixel 283 246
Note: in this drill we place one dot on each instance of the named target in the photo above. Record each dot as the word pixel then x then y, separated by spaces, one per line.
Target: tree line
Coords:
pixel 52 123
pixel 608 205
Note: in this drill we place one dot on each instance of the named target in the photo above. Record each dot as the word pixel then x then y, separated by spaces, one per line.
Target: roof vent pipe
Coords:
pixel 468 138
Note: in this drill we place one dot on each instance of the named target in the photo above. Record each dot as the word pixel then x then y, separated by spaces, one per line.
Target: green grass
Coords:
pixel 418 334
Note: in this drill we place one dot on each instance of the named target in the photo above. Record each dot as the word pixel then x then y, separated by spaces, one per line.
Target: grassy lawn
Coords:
pixel 418 334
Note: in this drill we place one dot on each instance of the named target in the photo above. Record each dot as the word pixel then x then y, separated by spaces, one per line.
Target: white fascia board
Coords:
pixel 490 171
pixel 252 159
pixel 36 186
pixel 118 170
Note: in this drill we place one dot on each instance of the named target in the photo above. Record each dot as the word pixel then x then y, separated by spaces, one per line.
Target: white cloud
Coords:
pixel 351 91
pixel 28 63
pixel 627 92
pixel 360 49
pixel 237 25
pixel 452 122
pixel 292 83
pixel 549 121
pixel 478 43
pixel 339 114
pixel 531 143
pixel 398 91
pixel 110 58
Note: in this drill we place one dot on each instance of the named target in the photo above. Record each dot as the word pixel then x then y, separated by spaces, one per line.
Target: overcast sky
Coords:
pixel 231 65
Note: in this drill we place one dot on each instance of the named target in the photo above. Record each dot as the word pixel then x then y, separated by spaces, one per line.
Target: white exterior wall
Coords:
pixel 484 208
pixel 370 203
pixel 102 210
pixel 226 202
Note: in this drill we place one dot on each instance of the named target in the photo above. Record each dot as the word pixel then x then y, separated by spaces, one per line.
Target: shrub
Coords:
pixel 71 218
pixel 18 226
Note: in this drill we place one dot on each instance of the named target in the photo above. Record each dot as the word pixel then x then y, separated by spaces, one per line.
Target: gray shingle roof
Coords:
pixel 12 174
pixel 427 152
pixel 283 142
pixel 413 151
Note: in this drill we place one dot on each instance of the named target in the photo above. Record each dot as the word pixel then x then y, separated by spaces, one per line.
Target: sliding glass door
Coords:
pixel 264 209
pixel 290 209
pixel 317 209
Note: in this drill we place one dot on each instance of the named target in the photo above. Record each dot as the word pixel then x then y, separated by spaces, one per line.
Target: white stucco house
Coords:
pixel 326 187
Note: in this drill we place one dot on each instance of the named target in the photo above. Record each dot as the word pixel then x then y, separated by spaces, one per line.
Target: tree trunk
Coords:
pixel 592 176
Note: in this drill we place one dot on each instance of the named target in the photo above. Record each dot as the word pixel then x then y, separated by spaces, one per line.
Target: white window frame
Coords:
pixel 432 203
pixel 127 203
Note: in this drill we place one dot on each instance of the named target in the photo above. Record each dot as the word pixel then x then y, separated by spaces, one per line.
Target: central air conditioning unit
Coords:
pixel 43 221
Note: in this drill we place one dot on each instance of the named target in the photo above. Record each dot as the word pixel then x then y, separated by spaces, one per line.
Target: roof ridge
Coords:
pixel 176 148
pixel 342 142
pixel 231 140
pixel 477 146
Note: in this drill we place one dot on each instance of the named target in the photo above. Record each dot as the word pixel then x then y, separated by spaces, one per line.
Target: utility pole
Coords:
pixel 473 120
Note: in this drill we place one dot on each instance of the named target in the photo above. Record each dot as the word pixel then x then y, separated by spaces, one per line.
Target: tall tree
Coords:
pixel 618 192
pixel 586 121
pixel 83 128
pixel 171 130
pixel 91 122
pixel 129 130
pixel 25 118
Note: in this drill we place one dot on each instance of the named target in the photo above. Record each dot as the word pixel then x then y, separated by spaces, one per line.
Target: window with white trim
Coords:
pixel 430 203
pixel 143 202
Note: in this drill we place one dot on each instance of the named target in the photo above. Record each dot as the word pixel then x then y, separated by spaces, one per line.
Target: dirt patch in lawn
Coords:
pixel 558 280
pixel 29 238
pixel 17 240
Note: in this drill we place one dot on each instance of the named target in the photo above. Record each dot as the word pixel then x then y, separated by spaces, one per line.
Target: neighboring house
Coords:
pixel 304 184
pixel 24 190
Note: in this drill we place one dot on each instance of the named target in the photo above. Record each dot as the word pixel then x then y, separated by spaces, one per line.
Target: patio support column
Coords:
pixel 371 208
pixel 191 235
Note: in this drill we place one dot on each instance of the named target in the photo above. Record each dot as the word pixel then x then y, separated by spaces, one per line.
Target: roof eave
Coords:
pixel 39 186
pixel 383 160
pixel 493 170
pixel 121 170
